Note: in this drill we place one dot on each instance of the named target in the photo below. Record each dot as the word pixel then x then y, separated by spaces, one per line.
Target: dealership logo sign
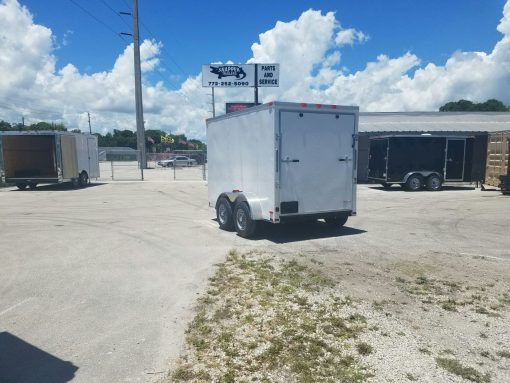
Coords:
pixel 227 71
pixel 240 75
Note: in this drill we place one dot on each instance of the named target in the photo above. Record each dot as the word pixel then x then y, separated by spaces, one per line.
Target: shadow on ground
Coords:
pixel 302 231
pixel 443 189
pixel 20 362
pixel 66 186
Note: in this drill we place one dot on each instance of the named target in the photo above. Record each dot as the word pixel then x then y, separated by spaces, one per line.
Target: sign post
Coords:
pixel 256 87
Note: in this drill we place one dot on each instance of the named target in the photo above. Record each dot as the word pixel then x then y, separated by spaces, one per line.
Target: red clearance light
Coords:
pixel 236 191
pixel 270 103
pixel 333 106
pixel 318 106
pixel 303 105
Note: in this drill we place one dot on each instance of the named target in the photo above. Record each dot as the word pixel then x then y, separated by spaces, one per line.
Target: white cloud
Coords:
pixel 350 36
pixel 308 49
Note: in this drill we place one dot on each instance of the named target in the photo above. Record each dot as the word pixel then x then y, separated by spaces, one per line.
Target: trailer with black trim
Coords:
pixel 420 161
pixel 29 158
pixel 282 162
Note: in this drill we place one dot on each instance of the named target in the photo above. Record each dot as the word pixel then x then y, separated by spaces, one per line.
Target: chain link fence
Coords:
pixel 180 165
pixel 123 164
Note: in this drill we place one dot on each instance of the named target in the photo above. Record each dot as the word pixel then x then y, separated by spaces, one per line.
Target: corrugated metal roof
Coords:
pixel 434 121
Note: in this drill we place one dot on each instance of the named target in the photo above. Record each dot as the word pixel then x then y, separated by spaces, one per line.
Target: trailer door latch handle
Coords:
pixel 289 160
pixel 344 159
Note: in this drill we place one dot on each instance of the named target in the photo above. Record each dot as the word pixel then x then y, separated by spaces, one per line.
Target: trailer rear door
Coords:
pixel 455 155
pixel 93 157
pixel 316 162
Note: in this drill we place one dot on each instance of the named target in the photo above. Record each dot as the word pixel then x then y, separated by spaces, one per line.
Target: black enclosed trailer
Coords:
pixel 420 161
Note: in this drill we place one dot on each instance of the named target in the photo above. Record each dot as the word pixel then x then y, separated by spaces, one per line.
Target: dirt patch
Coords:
pixel 434 317
pixel 324 317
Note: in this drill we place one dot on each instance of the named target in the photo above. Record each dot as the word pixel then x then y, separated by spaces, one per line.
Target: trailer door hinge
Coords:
pixel 354 139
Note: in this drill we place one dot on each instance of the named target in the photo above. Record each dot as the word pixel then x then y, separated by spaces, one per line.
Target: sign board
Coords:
pixel 231 107
pixel 240 75
pixel 268 75
pixel 228 75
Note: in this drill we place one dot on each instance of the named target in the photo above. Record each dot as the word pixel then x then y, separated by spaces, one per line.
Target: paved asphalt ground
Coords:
pixel 98 284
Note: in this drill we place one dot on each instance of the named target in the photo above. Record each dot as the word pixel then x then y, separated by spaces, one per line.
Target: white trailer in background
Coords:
pixel 29 158
pixel 282 162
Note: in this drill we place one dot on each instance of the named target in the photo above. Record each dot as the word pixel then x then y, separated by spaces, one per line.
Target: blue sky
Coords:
pixel 197 32
pixel 63 59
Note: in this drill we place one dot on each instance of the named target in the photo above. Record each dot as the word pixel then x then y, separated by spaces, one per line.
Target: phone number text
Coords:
pixel 229 83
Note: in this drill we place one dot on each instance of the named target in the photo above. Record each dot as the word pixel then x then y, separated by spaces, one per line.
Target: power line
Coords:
pixel 114 11
pixel 171 59
pixel 98 20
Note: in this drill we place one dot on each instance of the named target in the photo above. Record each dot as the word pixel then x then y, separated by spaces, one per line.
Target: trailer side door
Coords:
pixel 93 157
pixel 316 162
pixel 455 157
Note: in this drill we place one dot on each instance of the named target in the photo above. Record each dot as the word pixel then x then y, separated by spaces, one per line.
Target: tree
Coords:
pixel 491 105
pixel 5 126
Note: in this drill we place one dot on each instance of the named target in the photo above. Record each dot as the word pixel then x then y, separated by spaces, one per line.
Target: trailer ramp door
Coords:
pixel 69 159
pixel 316 162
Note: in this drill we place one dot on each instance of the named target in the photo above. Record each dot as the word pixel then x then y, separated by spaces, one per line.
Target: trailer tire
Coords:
pixel 336 221
pixel 83 180
pixel 414 182
pixel 21 186
pixel 434 183
pixel 245 226
pixel 224 215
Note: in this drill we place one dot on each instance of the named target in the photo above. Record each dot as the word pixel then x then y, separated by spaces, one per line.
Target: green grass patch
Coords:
pixel 453 366
pixel 265 317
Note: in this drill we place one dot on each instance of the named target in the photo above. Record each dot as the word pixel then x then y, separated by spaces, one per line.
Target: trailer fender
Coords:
pixel 423 173
pixel 253 202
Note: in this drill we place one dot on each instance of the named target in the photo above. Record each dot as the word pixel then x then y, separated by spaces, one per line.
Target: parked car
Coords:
pixel 178 160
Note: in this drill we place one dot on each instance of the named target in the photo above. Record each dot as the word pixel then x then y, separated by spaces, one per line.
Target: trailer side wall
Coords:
pixel 414 154
pixel 242 156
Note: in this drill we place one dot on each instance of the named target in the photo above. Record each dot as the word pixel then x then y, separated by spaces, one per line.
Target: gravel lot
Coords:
pixel 104 279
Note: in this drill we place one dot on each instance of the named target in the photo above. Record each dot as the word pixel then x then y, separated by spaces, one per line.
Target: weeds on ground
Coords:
pixel 451 295
pixel 453 366
pixel 269 320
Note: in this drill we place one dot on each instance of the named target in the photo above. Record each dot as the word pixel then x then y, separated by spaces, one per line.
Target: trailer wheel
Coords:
pixel 21 186
pixel 224 215
pixel 83 180
pixel 414 183
pixel 434 183
pixel 337 221
pixel 245 226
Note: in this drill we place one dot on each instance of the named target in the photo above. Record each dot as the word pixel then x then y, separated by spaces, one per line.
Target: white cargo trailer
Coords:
pixel 29 158
pixel 282 162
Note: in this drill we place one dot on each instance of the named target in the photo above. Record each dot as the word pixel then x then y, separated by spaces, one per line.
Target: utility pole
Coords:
pixel 90 127
pixel 23 121
pixel 140 129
